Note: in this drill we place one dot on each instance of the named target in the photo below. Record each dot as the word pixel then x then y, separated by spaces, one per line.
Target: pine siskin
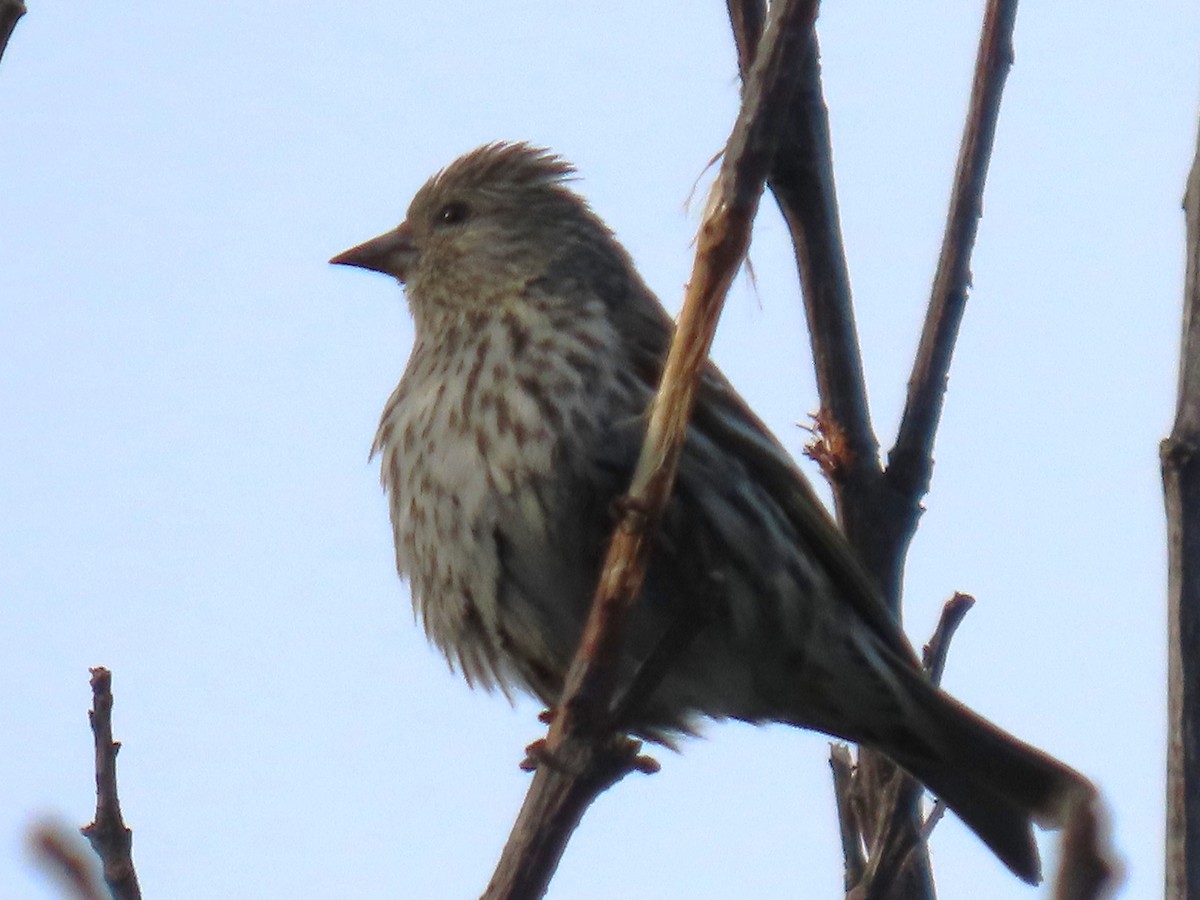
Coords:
pixel 516 426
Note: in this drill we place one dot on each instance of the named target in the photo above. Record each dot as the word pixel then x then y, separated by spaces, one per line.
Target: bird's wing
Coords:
pixel 724 420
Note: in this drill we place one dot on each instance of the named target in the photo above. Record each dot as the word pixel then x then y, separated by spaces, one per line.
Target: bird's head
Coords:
pixel 483 228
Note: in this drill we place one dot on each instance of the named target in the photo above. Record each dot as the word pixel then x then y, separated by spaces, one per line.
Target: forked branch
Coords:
pixel 878 508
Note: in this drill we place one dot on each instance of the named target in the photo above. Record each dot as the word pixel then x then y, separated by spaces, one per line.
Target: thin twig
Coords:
pixel 910 463
pixel 897 839
pixel 933 655
pixel 854 858
pixel 109 837
pixel 890 825
pixel 581 755
pixel 1180 456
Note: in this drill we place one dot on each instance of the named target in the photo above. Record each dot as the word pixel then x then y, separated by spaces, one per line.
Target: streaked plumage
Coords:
pixel 516 426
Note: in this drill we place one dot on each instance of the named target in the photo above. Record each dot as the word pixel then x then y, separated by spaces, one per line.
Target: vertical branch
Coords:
pixel 1180 456
pixel 854 859
pixel 802 182
pixel 109 837
pixel 933 656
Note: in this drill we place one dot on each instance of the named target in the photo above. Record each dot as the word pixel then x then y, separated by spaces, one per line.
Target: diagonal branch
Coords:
pixel 747 18
pixel 910 463
pixel 581 756
pixel 894 841
pixel 803 184
pixel 933 657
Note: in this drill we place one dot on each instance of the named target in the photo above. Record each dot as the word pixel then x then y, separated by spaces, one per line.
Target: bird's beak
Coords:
pixel 392 253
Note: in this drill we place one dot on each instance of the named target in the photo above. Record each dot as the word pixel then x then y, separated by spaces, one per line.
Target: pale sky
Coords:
pixel 188 393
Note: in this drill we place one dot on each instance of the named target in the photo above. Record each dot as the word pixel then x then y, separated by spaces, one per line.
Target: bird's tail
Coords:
pixel 998 785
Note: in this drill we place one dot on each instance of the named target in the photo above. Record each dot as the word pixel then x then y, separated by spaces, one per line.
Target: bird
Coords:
pixel 515 429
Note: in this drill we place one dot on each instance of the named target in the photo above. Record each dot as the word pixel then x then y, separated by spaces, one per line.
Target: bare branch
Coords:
pixel 10 12
pixel 803 184
pixel 933 655
pixel 897 837
pixel 581 757
pixel 842 763
pixel 747 18
pixel 845 447
pixel 109 837
pixel 887 821
pixel 1180 456
pixel 802 181
pixel 880 515
pixel 910 463
pixel 878 510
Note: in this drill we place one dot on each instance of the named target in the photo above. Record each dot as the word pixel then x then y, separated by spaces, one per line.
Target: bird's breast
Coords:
pixel 488 424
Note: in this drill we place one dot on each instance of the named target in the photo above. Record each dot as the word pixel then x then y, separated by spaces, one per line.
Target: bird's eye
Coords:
pixel 453 213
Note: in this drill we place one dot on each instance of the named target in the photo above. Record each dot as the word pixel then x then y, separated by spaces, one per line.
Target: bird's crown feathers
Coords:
pixel 504 165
